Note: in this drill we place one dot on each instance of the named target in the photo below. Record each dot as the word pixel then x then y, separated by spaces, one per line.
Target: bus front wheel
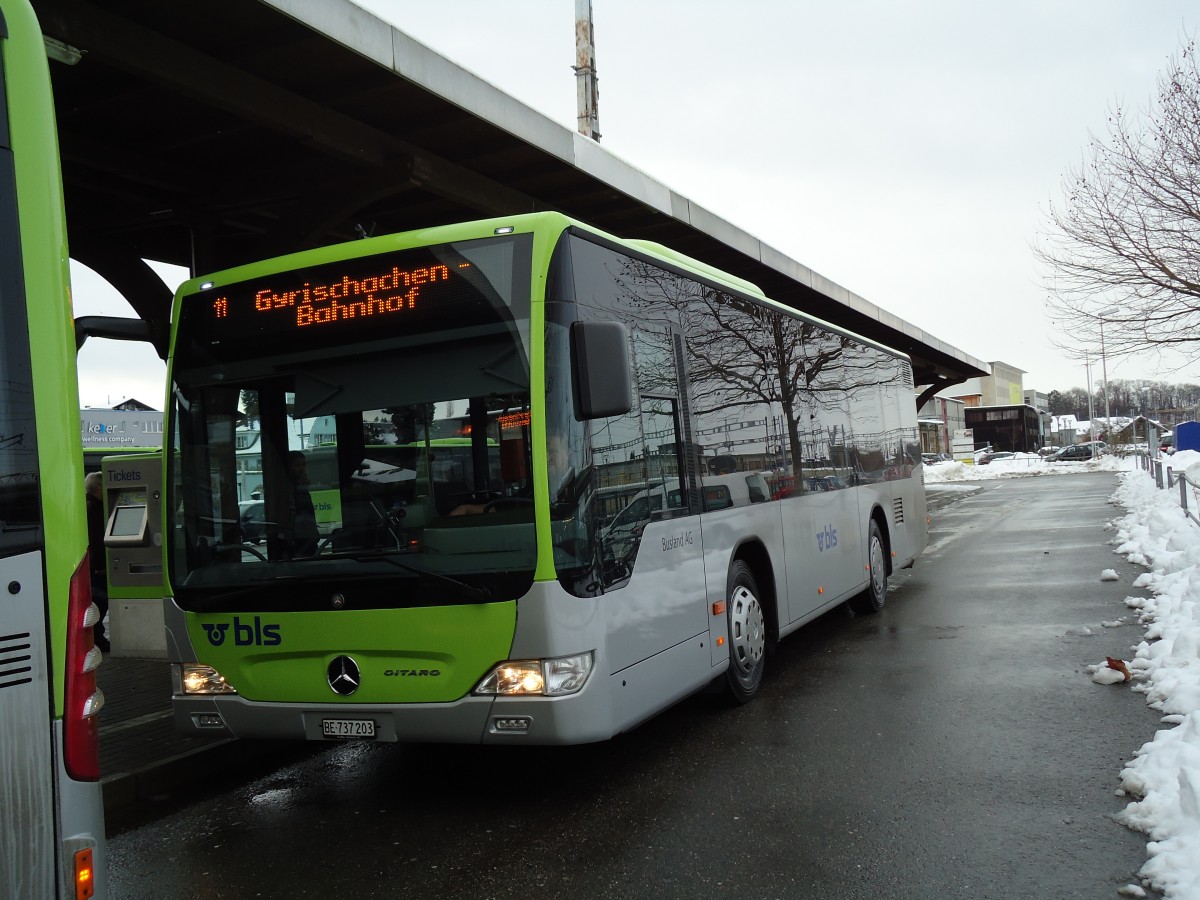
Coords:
pixel 872 599
pixel 747 634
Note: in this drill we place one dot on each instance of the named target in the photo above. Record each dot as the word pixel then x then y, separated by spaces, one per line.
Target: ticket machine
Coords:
pixel 133 547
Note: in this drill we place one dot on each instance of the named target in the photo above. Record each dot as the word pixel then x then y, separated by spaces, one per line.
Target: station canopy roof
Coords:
pixel 211 134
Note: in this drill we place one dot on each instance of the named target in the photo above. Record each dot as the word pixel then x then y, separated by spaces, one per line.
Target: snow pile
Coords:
pixel 1024 465
pixel 1165 773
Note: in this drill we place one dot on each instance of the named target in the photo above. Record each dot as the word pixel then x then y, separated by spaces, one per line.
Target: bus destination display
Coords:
pixel 347 298
pixel 355 299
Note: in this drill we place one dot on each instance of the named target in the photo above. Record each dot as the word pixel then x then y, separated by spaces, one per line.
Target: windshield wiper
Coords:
pixel 478 593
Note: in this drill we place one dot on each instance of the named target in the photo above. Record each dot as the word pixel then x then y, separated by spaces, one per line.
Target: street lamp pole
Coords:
pixel 1087 363
pixel 1104 371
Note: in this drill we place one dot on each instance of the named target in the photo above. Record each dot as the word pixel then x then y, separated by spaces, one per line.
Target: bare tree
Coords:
pixel 1123 248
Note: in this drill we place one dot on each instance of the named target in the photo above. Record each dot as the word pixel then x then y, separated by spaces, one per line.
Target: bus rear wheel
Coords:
pixel 872 599
pixel 747 634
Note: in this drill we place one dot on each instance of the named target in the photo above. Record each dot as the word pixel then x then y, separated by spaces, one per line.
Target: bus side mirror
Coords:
pixel 119 329
pixel 600 374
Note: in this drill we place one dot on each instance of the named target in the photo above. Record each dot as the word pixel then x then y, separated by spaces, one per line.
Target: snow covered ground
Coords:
pixel 1023 465
pixel 1163 778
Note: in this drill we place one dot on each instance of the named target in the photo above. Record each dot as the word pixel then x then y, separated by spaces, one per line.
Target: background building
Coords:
pixel 1003 387
pixel 938 419
pixel 125 426
pixel 1015 428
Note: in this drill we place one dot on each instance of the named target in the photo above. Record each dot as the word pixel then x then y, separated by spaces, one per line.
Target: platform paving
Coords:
pixel 140 751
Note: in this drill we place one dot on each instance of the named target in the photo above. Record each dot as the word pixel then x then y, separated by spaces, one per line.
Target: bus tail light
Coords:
pixel 538 677
pixel 84 699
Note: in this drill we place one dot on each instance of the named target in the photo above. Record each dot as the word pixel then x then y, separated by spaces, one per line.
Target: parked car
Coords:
pixel 622 535
pixel 989 457
pixel 1076 453
pixel 930 458
pixel 254 521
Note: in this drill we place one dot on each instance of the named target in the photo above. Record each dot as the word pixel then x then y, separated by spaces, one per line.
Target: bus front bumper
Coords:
pixel 575 719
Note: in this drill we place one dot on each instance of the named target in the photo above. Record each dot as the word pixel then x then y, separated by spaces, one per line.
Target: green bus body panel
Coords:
pixel 433 654
pixel 51 328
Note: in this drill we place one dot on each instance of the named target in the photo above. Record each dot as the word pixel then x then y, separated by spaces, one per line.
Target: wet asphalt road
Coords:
pixel 952 746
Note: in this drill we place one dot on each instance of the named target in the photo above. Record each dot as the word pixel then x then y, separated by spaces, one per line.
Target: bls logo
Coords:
pixel 244 635
pixel 827 539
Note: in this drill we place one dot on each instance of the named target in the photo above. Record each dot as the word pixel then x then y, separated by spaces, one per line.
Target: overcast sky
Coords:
pixel 905 151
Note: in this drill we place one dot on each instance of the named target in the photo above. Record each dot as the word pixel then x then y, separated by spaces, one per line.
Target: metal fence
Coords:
pixel 1170 480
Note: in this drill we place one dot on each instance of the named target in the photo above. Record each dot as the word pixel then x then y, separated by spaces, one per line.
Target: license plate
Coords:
pixel 348 728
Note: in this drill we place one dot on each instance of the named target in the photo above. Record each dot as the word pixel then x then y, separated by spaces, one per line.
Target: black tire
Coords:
pixel 747 634
pixel 872 599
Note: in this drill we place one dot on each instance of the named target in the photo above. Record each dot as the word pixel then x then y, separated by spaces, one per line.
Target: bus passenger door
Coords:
pixel 834 541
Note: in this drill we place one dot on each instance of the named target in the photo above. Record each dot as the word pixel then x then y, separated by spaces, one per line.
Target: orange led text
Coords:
pixel 353 298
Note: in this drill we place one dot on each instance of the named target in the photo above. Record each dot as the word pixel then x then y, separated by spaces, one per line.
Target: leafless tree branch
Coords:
pixel 1122 248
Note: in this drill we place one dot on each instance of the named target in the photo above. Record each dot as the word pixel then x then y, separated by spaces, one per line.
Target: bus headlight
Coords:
pixel 538 677
pixel 201 679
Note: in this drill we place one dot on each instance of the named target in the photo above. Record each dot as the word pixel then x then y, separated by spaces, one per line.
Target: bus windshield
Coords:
pixel 319 464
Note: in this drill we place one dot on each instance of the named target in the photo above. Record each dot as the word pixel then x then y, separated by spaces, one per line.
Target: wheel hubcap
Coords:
pixel 878 571
pixel 747 630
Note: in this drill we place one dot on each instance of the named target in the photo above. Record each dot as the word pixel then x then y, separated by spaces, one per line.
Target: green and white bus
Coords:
pixel 495 600
pixel 51 811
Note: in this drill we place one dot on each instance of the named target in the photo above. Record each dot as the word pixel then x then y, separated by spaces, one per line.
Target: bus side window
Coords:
pixel 759 492
pixel 717 497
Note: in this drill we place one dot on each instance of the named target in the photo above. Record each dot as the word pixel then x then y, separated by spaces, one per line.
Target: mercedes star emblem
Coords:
pixel 343 676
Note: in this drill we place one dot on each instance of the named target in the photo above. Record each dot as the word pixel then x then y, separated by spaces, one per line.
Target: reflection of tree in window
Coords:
pixel 249 405
pixel 749 358
pixel 876 388
pixel 635 458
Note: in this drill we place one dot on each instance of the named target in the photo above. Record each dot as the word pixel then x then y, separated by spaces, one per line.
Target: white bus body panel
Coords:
pixel 27 827
pixel 81 805
pixel 663 603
